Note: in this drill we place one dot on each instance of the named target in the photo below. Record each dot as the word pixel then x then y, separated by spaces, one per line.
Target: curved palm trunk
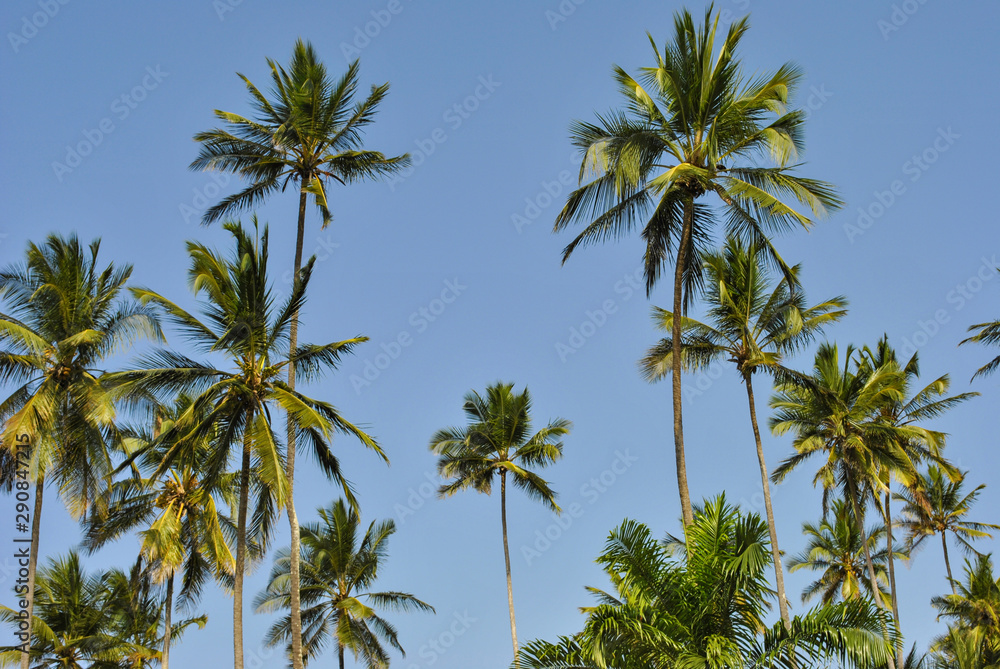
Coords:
pixel 293 519
pixel 36 524
pixel 682 482
pixel 892 575
pixel 506 557
pixel 168 609
pixel 779 576
pixel 947 563
pixel 876 593
pixel 241 549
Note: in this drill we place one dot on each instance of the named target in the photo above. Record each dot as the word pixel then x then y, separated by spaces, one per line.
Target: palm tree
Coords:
pixel 752 323
pixel 63 316
pixel 244 325
pixel 914 406
pixel 974 613
pixel 704 606
pixel 835 413
pixel 308 133
pixel 989 334
pixel 698 125
pixel 935 505
pixel 497 442
pixel 184 532
pixel 836 548
pixel 338 572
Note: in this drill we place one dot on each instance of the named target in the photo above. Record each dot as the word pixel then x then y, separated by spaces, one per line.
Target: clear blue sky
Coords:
pixel 879 98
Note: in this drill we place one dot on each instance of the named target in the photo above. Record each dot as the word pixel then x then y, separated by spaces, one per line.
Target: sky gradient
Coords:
pixel 457 258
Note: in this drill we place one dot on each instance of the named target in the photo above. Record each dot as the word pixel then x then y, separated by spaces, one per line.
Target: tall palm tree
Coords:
pixel 496 443
pixel 916 405
pixel 338 574
pixel 63 315
pixel 973 610
pixel 308 133
pixel 243 324
pixel 834 413
pixel 705 607
pixel 933 504
pixel 698 125
pixel 836 548
pixel 183 532
pixel 752 322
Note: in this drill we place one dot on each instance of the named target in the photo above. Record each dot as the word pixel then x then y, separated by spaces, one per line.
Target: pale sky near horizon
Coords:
pixel 457 259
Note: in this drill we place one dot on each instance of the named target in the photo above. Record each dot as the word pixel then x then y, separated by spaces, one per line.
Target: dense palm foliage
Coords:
pixel 837 549
pixel 933 504
pixel 694 125
pixel 307 133
pixel 752 321
pixel 63 315
pixel 104 620
pixel 973 610
pixel 701 602
pixel 249 330
pixel 339 569
pixel 183 528
pixel 498 443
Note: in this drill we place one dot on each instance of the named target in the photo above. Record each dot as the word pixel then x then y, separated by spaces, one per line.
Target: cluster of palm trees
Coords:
pixel 187 449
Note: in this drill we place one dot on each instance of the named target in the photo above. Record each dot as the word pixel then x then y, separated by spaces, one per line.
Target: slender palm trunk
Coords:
pixel 293 519
pixel 682 259
pixel 168 609
pixel 241 549
pixel 340 654
pixel 892 574
pixel 947 563
pixel 36 524
pixel 779 576
pixel 852 491
pixel 506 557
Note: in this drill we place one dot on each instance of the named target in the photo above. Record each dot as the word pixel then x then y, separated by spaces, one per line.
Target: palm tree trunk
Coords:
pixel 36 524
pixel 168 609
pixel 293 519
pixel 506 557
pixel 241 548
pixel 682 482
pixel 779 576
pixel 340 654
pixel 876 593
pixel 892 574
pixel 947 563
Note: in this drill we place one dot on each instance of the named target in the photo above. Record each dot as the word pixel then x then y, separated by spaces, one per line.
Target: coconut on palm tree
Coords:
pixel 340 568
pixel 700 144
pixel 934 504
pixel 836 548
pixel 752 322
pixel 247 327
pixel 701 602
pixel 63 316
pixel 498 443
pixel 307 133
pixel 183 525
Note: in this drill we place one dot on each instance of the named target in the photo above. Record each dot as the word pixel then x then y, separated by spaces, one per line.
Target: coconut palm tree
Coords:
pixel 835 414
pixel 308 133
pixel 989 334
pixel 836 548
pixel 915 406
pixel 233 404
pixel 498 443
pixel 697 126
pixel 752 322
pixel 704 606
pixel 184 528
pixel 340 568
pixel 933 504
pixel 973 610
pixel 63 315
